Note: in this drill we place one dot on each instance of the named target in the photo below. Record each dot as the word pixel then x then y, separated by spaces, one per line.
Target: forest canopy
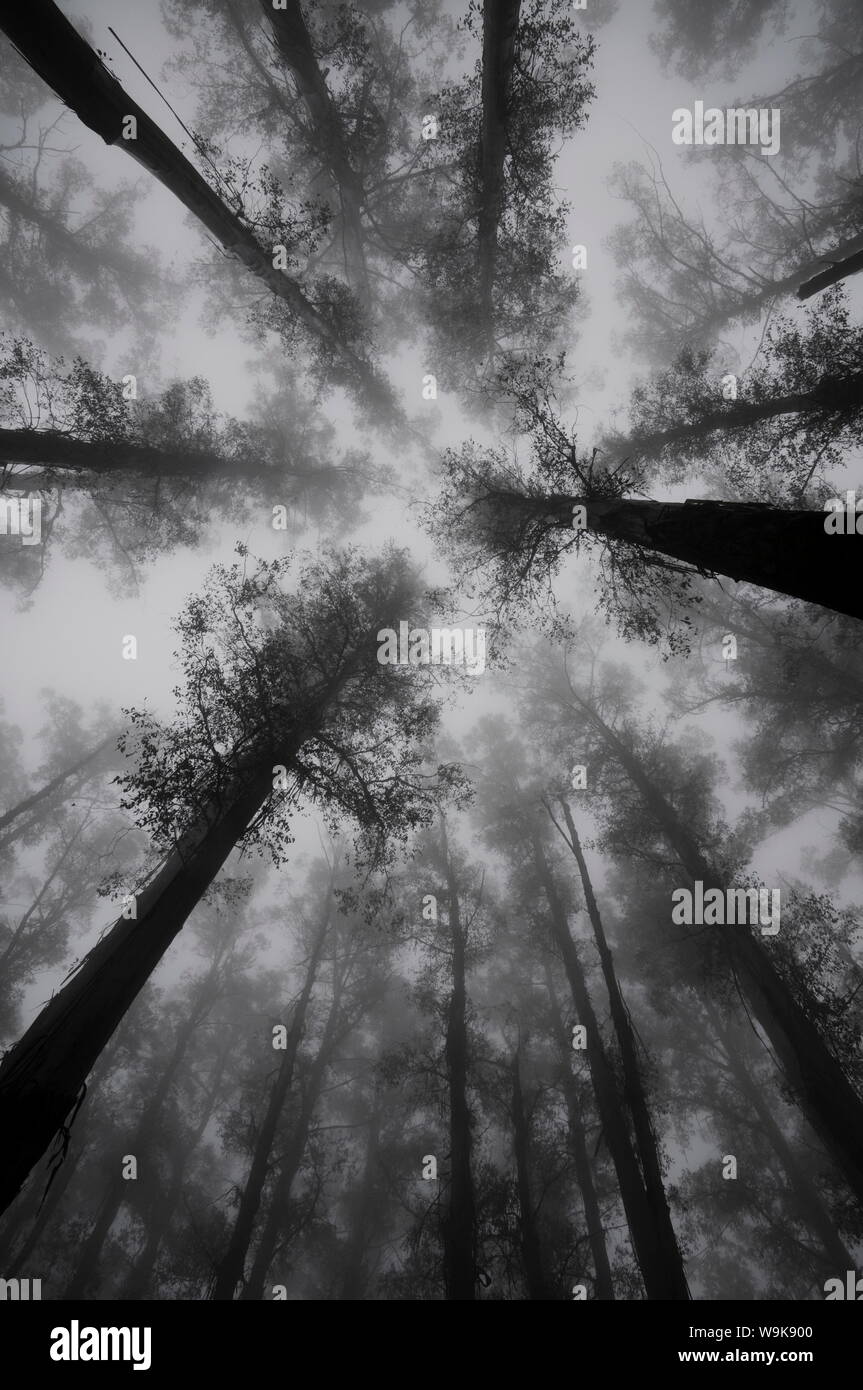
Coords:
pixel 432 722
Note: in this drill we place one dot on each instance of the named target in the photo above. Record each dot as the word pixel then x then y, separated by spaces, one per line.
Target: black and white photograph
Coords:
pixel 431 698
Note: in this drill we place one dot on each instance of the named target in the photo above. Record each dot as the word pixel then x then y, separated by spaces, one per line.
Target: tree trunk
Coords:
pixel 633 1088
pixel 50 1201
pixel 531 1249
pixel 119 457
pixel 89 260
pixel 841 266
pixel 803 1189
pixel 42 1076
pixel 499 29
pixel 87 1265
pixel 829 1101
pixel 63 59
pixel 459 1225
pixel 603 1282
pixel 159 1215
pixel 30 802
pixel 229 1271
pixel 660 1280
pixel 254 1290
pixel 294 43
pixel 785 550
pixel 356 1277
pixel 831 393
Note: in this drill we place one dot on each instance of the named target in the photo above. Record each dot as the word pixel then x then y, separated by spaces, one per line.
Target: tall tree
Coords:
pixel 788 1013
pixel 230 1270
pixel 508 527
pixel 633 1084
pixel 59 54
pixel 202 784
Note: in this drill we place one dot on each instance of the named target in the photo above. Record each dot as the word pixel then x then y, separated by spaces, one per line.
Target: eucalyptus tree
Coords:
pixel 507 526
pixel 328 720
pixel 490 266
pixel 645 778
pixel 250 215
pixel 128 479
pixel 514 807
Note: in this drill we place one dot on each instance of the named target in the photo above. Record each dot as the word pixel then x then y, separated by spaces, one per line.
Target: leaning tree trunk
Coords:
pixel 603 1282
pixel 764 292
pixel 87 1264
pixel 63 59
pixel 55 450
pixel 159 1215
pixel 661 1279
pixel 22 808
pixel 42 1078
pixel 531 1246
pixel 633 1087
pixel 840 266
pixel 229 1271
pixel 44 1211
pixel 90 260
pixel 459 1224
pixel 294 43
pixel 800 1184
pixel 499 29
pixel 785 550
pixel 254 1290
pixel 830 393
pixel 827 1097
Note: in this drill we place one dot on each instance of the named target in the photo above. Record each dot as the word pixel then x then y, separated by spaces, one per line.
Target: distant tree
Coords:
pixel 491 266
pixel 796 413
pixel 62 272
pixel 685 280
pixel 811 1036
pixel 124 481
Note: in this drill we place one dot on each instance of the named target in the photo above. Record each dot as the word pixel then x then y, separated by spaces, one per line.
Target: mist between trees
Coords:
pixel 468 909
